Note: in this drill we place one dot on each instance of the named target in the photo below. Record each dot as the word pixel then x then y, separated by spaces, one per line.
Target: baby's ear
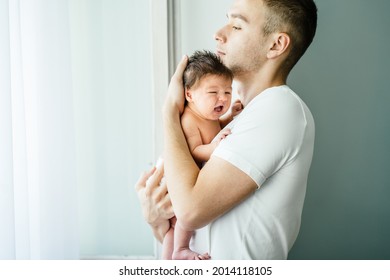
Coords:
pixel 188 94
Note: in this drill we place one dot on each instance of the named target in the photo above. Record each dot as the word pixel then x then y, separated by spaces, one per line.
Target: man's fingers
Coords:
pixel 180 68
pixel 161 196
pixel 141 183
pixel 175 95
pixel 154 180
pixel 167 208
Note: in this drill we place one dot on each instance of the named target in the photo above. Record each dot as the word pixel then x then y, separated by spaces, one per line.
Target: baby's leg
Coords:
pixel 182 249
pixel 167 246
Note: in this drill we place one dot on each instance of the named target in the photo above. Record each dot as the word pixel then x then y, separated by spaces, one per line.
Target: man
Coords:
pixel 247 200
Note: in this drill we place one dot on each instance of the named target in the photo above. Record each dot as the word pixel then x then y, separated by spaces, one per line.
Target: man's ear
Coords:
pixel 281 43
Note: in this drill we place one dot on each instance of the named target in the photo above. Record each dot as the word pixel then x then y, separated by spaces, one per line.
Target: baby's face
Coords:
pixel 211 97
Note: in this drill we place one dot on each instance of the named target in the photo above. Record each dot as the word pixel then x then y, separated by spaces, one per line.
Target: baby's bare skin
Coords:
pixel 187 254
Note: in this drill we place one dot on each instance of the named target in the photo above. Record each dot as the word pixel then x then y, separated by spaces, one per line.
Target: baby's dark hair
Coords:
pixel 202 63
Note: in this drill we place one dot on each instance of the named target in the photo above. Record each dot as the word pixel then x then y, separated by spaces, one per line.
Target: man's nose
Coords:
pixel 220 35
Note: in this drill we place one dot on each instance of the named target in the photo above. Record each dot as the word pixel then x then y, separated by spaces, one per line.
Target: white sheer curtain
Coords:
pixel 113 104
pixel 38 199
pixel 80 97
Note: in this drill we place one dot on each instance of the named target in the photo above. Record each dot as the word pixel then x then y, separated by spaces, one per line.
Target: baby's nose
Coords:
pixel 223 97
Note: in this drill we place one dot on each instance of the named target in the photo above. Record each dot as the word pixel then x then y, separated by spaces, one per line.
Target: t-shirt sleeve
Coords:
pixel 266 137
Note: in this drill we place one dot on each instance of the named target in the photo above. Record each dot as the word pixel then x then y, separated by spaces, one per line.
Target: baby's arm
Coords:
pixel 203 152
pixel 200 152
pixel 234 111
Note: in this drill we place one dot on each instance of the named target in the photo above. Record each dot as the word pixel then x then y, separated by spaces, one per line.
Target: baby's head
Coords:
pixel 203 63
pixel 208 85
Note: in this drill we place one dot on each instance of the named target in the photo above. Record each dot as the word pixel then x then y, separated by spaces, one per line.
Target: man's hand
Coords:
pixel 175 96
pixel 155 202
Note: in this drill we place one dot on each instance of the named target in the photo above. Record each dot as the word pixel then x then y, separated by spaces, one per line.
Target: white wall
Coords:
pixel 200 20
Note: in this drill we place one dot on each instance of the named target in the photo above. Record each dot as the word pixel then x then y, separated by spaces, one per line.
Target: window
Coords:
pixel 80 92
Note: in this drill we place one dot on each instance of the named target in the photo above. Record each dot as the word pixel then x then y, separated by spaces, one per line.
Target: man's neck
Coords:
pixel 249 85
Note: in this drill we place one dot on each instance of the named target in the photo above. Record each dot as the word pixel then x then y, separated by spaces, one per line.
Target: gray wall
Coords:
pixel 343 78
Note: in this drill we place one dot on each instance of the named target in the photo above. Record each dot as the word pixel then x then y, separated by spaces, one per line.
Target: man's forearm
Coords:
pixel 181 171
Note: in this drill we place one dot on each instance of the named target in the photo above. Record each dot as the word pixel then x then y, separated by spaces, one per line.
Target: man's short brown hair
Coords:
pixel 297 18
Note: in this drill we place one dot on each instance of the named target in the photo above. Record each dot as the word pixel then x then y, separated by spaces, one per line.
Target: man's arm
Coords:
pixel 198 197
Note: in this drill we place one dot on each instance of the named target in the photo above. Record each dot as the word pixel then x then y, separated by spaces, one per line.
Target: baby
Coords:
pixel 208 93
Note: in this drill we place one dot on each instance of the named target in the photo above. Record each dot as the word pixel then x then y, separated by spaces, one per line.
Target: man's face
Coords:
pixel 240 43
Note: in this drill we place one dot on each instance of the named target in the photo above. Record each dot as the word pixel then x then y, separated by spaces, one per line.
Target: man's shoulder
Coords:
pixel 281 101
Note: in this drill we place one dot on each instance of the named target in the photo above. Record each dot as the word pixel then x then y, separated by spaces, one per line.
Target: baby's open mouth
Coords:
pixel 218 109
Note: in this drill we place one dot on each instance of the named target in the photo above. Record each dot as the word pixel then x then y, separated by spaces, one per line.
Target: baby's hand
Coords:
pixel 222 135
pixel 236 108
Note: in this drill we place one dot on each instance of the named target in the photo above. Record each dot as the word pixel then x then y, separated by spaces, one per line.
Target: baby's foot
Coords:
pixel 187 254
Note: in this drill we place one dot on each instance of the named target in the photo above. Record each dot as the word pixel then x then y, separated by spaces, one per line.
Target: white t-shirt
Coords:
pixel 272 141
